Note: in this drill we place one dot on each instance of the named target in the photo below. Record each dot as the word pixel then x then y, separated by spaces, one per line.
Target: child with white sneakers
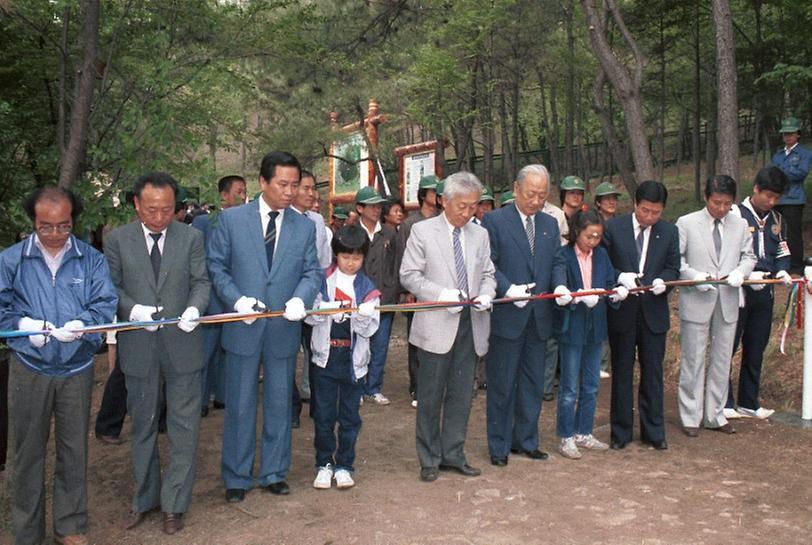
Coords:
pixel 340 346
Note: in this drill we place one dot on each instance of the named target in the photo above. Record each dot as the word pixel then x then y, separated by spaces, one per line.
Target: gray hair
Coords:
pixel 539 170
pixel 460 183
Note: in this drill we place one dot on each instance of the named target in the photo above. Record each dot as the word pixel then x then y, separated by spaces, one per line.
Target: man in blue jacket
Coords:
pixel 794 161
pixel 52 285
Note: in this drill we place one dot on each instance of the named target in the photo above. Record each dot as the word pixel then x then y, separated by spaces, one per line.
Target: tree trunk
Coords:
pixel 696 146
pixel 627 84
pixel 80 114
pixel 661 113
pixel 569 123
pixel 555 146
pixel 546 124
pixel 615 147
pixel 63 78
pixel 728 105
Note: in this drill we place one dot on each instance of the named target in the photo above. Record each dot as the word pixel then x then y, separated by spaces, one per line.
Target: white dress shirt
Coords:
pixel 264 210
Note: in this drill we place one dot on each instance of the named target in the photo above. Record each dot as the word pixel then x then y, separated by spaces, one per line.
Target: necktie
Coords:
pixel 459 263
pixel 270 237
pixel 155 254
pixel 641 237
pixel 717 238
pixel 530 229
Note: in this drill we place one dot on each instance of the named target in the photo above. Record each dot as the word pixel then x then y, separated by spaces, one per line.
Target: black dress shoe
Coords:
pixel 235 495
pixel 657 445
pixel 548 397
pixel 618 445
pixel 534 454
pixel 280 489
pixel 429 474
pixel 134 518
pixel 727 428
pixel 173 523
pixel 204 412
pixel 499 461
pixel 464 469
pixel 690 431
pixel 218 405
pixel 295 423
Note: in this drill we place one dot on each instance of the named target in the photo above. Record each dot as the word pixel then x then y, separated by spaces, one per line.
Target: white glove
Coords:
pixel 451 296
pixel 30 324
pixel 483 302
pixel 620 294
pixel 520 290
pixel 627 279
pixel 784 275
pixel 143 313
pixel 735 278
pixel 65 334
pixel 294 310
pixel 367 309
pixel 246 305
pixel 188 320
pixel 589 300
pixel 756 275
pixel 566 296
pixel 658 287
pixel 703 287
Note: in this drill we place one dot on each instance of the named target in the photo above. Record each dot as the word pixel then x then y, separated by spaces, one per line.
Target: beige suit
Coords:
pixel 711 313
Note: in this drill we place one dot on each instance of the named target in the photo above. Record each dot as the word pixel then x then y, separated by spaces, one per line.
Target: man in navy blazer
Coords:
pixel 263 255
pixel 645 249
pixel 524 242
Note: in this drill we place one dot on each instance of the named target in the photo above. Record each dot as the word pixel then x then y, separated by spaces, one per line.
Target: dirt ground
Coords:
pixel 752 487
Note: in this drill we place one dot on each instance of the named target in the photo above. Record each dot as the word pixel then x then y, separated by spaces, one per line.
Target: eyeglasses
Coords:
pixel 48 229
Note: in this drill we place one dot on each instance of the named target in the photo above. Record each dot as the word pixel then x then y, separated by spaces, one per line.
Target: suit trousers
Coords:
pixel 695 392
pixel 794 217
pixel 3 407
pixel 113 408
pixel 412 358
pixel 212 376
pixel 34 400
pixel 753 331
pixel 444 399
pixel 172 492
pixel 240 419
pixel 649 349
pixel 550 364
pixel 515 369
pixel 379 348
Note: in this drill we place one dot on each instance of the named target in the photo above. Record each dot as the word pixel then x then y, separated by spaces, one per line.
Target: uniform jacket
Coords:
pixel 380 264
pixel 81 290
pixel 182 282
pixel 662 261
pixel 795 166
pixel 510 253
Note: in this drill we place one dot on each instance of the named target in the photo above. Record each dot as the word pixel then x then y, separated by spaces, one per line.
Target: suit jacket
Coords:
pixel 428 268
pixel 576 323
pixel 510 253
pixel 182 282
pixel 697 255
pixel 662 261
pixel 206 223
pixel 238 267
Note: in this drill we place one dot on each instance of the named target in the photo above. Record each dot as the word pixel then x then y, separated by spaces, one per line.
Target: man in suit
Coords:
pixel 159 268
pixel 524 241
pixel 233 192
pixel 645 250
pixel 263 255
pixel 714 244
pixel 447 258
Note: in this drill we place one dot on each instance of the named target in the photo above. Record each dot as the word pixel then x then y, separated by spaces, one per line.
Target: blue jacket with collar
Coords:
pixel 81 290
pixel 795 165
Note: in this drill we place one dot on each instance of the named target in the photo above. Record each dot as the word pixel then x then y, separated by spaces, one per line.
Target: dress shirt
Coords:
pixel 451 234
pixel 151 241
pixel 53 261
pixel 370 234
pixel 646 238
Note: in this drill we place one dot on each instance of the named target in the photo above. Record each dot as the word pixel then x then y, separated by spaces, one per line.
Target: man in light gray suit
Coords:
pixel 159 268
pixel 447 258
pixel 714 244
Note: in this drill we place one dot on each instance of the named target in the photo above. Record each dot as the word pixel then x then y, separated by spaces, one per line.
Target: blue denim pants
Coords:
pixel 578 388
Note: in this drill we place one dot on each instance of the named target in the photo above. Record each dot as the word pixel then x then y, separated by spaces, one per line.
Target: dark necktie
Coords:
pixel 717 238
pixel 155 254
pixel 270 237
pixel 530 229
pixel 459 263
pixel 641 237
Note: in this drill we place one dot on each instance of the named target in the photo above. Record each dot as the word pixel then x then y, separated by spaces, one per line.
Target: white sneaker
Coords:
pixel 732 413
pixel 414 404
pixel 568 449
pixel 379 399
pixel 324 478
pixel 344 479
pixel 605 374
pixel 761 413
pixel 589 442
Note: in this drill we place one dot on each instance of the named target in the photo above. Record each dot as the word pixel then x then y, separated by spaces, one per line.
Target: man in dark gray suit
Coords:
pixel 159 268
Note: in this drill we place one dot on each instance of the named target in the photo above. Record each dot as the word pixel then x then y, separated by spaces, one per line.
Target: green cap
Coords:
pixel 487 194
pixel 790 124
pixel 439 189
pixel 368 195
pixel 429 181
pixel 606 188
pixel 573 182
pixel 507 198
pixel 340 212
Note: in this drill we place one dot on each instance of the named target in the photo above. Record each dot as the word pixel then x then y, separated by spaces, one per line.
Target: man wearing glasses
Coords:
pixel 52 285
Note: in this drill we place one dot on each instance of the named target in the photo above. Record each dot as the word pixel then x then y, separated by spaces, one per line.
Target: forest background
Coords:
pixel 93 94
